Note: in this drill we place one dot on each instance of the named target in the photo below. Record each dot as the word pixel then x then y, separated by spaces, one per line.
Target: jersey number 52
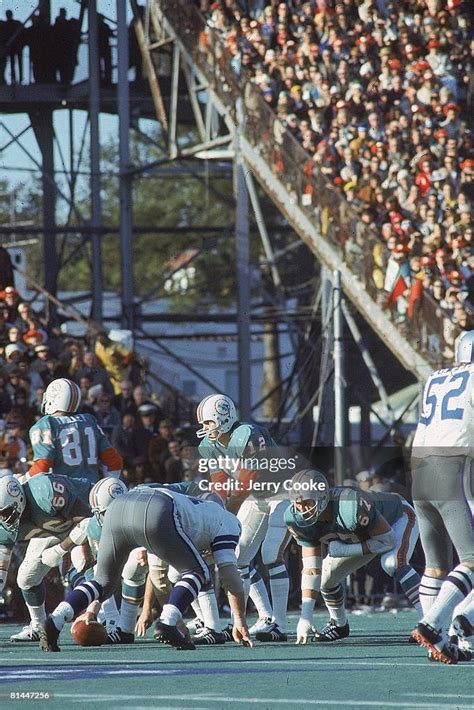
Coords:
pixel 455 387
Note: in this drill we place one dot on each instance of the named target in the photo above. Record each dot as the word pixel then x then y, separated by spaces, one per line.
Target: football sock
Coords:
pixel 132 599
pixel 259 595
pixel 197 609
pixel 279 588
pixel 466 607
pixel 75 602
pixel 37 614
pixel 245 577
pixel 170 614
pixel 34 596
pixel 334 600
pixel 128 616
pixel 210 610
pixel 428 591
pixel 184 592
pixel 109 612
pixel 455 588
pixel 409 581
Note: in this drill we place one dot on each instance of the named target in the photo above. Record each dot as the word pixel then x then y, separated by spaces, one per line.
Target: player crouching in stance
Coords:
pixel 41 507
pixel 174 528
pixel 442 458
pixel 351 527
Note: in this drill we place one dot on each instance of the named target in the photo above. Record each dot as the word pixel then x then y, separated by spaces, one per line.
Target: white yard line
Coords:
pixel 97 664
pixel 223 699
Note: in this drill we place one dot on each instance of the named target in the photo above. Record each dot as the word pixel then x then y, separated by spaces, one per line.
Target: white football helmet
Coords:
pixel 12 502
pixel 61 395
pixel 219 409
pixel 103 493
pixel 465 348
pixel 309 485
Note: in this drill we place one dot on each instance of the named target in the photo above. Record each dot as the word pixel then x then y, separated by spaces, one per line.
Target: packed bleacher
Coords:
pixel 380 96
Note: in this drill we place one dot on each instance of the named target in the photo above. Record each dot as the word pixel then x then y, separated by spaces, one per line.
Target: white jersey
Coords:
pixel 446 426
pixel 203 520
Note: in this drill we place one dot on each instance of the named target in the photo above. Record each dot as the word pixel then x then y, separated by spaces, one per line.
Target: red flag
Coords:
pixel 416 292
pixel 399 288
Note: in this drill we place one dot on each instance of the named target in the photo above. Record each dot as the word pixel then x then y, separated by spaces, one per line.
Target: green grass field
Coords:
pixel 375 667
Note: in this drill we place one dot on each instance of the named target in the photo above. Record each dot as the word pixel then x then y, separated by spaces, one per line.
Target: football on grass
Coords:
pixel 92 634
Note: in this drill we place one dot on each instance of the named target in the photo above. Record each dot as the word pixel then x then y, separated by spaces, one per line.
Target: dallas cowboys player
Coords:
pixel 35 509
pixel 174 527
pixel 69 444
pixel 352 527
pixel 442 456
pixel 227 440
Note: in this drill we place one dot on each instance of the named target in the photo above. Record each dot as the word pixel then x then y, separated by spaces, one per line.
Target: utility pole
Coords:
pixel 125 178
pixel 96 209
pixel 242 257
pixel 339 382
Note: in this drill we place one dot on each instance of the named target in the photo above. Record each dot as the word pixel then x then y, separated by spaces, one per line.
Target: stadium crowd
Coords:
pixel 380 96
pixel 32 355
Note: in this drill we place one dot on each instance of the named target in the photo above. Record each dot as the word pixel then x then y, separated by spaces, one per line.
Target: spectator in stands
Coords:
pixel 171 463
pixel 5 399
pixel 124 402
pixel 106 414
pixel 148 417
pixel 53 370
pixel 94 370
pixel 114 357
pixel 159 445
pixel 128 440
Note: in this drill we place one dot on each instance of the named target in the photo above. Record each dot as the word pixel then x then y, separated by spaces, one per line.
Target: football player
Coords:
pixel 140 563
pixel 69 444
pixel 350 527
pixel 42 506
pixel 174 527
pixel 260 511
pixel 442 454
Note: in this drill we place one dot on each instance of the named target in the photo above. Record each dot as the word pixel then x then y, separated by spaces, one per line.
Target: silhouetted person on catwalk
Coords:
pixel 105 51
pixel 39 38
pixel 66 34
pixel 14 38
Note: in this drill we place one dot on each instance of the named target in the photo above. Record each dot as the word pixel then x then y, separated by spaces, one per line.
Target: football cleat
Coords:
pixel 28 633
pixel 208 637
pixel 227 632
pixel 49 637
pixel 172 636
pixel 441 651
pixel 196 625
pixel 332 632
pixel 118 636
pixel 463 627
pixel 273 634
pixel 264 624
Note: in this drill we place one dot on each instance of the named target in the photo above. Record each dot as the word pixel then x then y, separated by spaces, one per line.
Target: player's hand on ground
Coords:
pixel 144 622
pixel 241 635
pixel 304 631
